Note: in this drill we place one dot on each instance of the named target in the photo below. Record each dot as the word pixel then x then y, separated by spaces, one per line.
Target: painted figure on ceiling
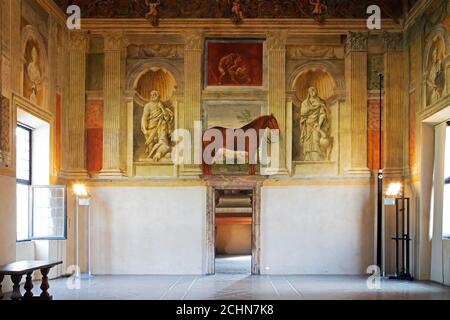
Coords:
pixel 157 124
pixel 236 12
pixel 153 14
pixel 319 9
pixel 315 140
pixel 34 74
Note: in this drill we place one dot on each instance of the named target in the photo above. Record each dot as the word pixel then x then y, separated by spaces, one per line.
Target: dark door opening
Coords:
pixel 233 231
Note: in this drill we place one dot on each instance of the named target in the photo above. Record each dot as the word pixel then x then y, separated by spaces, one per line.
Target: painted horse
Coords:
pixel 249 147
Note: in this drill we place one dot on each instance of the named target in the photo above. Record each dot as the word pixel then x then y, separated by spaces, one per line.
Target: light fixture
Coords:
pixel 82 198
pixel 394 189
pixel 80 190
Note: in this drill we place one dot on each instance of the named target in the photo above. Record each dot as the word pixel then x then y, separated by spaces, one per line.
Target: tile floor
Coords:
pixel 226 285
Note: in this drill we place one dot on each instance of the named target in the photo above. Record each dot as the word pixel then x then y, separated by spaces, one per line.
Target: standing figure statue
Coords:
pixel 34 74
pixel 157 124
pixel 435 80
pixel 315 140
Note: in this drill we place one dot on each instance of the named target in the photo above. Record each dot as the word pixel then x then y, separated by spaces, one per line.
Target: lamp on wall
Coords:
pixel 82 198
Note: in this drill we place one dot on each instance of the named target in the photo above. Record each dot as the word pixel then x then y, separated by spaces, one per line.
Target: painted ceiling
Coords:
pixel 281 9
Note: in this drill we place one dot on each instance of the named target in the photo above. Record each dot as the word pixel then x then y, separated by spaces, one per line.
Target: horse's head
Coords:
pixel 272 122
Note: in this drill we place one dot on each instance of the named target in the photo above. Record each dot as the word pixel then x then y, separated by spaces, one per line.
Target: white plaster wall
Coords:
pixel 316 230
pixel 148 230
pixel 7 224
pixel 446 261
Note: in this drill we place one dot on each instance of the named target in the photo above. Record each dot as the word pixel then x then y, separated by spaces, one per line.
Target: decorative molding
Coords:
pixel 312 52
pixel 276 40
pixel 251 27
pixel 356 41
pixel 114 41
pixel 393 41
pixel 155 50
pixel 78 41
pixel 193 41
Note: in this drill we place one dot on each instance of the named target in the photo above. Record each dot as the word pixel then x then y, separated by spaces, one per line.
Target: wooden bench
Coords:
pixel 18 269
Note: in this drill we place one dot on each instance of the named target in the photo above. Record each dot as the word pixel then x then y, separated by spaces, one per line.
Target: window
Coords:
pixel 24 170
pixel 41 209
pixel 446 208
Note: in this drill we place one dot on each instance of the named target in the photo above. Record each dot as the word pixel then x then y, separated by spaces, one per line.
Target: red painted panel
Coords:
pixel 94 125
pixel 373 135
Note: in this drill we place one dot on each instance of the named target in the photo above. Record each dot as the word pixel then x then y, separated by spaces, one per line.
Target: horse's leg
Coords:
pixel 205 167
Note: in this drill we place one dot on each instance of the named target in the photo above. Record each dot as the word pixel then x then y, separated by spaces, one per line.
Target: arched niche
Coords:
pixel 314 77
pixel 436 65
pixel 151 72
pixel 309 148
pixel 156 79
pixel 35 62
pixel 151 149
pixel 325 75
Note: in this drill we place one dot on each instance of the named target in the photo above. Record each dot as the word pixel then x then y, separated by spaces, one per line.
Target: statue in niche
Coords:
pixel 34 74
pixel 315 139
pixel 435 80
pixel 157 124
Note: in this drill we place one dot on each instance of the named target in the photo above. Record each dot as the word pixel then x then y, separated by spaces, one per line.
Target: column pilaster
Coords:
pixel 112 97
pixel 76 114
pixel 356 92
pixel 191 112
pixel 276 48
pixel 394 109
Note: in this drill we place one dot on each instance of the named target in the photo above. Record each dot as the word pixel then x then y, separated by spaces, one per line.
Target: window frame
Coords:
pixel 27 182
pixel 32 216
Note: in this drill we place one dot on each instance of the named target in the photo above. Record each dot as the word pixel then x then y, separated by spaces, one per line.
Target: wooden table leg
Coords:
pixel 1 280
pixel 28 287
pixel 45 286
pixel 16 295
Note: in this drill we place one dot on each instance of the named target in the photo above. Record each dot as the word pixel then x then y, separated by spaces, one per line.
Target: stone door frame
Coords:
pixel 253 183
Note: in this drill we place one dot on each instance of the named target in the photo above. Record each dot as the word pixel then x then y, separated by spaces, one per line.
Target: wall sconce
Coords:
pixel 394 189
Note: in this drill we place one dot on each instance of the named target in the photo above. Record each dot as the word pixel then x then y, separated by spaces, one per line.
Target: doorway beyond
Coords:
pixel 233 216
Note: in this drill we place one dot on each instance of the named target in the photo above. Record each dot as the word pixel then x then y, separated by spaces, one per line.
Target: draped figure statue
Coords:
pixel 315 140
pixel 157 124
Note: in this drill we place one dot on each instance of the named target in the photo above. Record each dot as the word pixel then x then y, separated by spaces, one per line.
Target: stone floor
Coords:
pixel 229 264
pixel 228 284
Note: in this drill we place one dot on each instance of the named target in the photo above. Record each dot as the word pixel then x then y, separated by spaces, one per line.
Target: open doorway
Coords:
pixel 233 231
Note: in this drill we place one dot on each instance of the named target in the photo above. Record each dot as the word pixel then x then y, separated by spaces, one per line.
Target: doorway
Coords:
pixel 233 231
pixel 236 193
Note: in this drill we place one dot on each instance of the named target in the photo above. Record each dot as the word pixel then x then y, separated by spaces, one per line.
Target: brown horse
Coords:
pixel 250 147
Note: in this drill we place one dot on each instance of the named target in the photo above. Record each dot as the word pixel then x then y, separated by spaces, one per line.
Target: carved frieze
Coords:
pixel 393 41
pixel 312 52
pixel 155 50
pixel 356 41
